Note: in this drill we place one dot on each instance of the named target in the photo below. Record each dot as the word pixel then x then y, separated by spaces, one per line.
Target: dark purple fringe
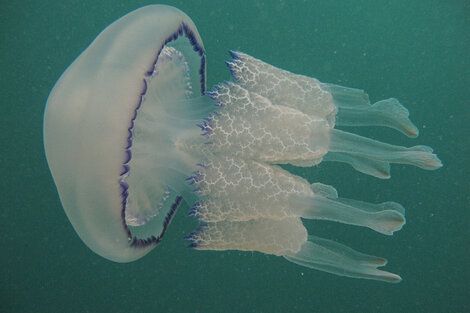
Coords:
pixel 136 242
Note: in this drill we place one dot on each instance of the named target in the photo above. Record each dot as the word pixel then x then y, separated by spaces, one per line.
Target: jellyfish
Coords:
pixel 130 132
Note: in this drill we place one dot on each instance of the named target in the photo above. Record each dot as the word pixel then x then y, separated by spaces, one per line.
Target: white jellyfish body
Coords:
pixel 89 120
pixel 129 133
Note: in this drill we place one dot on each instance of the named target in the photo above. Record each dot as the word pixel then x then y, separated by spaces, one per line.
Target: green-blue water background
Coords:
pixel 416 51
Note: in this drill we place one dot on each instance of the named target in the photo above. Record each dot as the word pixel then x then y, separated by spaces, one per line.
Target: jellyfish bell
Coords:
pixel 130 131
pixel 89 117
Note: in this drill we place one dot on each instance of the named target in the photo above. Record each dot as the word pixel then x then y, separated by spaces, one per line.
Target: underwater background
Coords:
pixel 416 51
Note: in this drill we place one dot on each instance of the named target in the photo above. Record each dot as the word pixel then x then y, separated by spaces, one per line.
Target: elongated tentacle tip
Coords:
pixel 439 162
pixel 432 162
pixel 384 275
pixel 411 131
pixel 380 173
pixel 391 278
pixel 422 157
pixel 389 222
pixel 384 176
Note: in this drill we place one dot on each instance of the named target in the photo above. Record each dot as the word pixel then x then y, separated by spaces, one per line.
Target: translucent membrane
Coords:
pixel 129 131
pixel 89 122
pixel 332 257
pixel 269 116
pixel 354 109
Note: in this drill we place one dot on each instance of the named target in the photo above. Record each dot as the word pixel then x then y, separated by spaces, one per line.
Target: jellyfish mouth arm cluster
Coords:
pixel 130 131
pixel 247 202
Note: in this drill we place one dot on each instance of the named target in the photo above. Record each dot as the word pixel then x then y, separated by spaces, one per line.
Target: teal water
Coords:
pixel 416 51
